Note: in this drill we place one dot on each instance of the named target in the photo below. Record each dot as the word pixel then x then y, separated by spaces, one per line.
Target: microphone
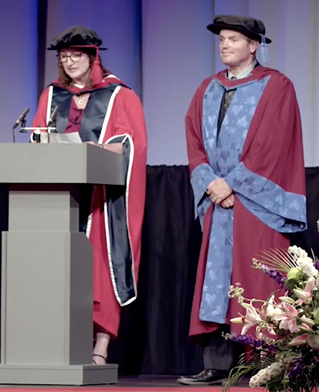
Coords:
pixel 21 118
pixel 53 116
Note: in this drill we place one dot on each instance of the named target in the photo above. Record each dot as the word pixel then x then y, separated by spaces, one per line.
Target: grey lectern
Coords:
pixel 47 264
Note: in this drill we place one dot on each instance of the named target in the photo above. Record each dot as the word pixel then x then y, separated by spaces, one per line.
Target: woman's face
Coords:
pixel 76 64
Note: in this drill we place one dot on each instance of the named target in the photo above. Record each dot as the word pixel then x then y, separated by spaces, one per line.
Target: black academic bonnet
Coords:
pixel 76 36
pixel 250 27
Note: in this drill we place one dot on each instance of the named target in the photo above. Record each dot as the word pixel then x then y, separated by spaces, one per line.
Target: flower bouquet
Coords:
pixel 285 341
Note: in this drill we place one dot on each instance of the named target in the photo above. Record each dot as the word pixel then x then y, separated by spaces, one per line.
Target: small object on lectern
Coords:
pixel 36 136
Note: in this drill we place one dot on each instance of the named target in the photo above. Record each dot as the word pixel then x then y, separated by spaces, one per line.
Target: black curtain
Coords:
pixel 153 336
pixel 309 239
pixel 42 28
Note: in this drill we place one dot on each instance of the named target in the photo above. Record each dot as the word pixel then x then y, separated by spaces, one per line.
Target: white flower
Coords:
pixel 273 311
pixel 273 370
pixel 265 375
pixel 296 252
pixel 306 266
pixel 236 291
pixel 254 381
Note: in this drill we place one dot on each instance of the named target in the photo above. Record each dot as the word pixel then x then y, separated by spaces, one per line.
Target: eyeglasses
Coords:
pixel 74 57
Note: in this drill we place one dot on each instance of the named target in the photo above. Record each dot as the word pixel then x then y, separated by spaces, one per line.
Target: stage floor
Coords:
pixel 141 383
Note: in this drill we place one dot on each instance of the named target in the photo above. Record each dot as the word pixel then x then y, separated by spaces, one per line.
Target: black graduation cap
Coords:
pixel 250 27
pixel 81 37
pixel 76 36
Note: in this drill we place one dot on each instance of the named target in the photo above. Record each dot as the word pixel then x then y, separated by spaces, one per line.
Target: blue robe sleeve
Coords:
pixel 201 177
pixel 283 211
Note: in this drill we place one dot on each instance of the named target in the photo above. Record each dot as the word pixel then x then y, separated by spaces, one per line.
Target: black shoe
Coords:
pixel 206 377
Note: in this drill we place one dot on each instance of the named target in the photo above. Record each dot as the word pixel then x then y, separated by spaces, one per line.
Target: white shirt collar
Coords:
pixel 244 73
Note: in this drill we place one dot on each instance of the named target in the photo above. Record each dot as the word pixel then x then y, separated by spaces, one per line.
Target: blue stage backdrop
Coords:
pixel 161 49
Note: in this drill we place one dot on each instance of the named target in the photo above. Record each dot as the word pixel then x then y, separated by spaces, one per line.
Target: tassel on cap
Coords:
pixel 262 52
pixel 96 71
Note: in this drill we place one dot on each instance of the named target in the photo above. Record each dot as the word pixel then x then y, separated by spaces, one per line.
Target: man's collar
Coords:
pixel 243 74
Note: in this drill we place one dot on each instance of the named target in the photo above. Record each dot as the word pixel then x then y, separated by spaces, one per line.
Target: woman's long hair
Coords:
pixel 66 81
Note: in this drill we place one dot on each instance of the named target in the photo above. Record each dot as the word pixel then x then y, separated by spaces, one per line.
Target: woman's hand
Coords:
pixel 114 147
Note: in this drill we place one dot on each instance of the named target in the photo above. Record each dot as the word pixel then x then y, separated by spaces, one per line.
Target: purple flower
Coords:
pixel 276 275
pixel 316 264
pixel 248 340
pixel 296 369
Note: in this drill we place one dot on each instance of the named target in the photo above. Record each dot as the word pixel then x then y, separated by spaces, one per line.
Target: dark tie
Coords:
pixel 227 98
pixel 229 95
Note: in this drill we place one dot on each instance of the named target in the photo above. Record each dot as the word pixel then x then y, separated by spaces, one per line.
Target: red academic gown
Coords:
pixel 124 118
pixel 273 149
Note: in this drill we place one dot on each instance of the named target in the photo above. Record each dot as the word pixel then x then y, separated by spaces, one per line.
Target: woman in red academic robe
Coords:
pixel 109 115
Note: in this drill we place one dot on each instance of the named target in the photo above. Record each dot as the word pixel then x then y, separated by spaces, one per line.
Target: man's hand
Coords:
pixel 218 190
pixel 229 202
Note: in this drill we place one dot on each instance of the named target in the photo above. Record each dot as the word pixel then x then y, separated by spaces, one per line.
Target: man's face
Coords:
pixel 235 48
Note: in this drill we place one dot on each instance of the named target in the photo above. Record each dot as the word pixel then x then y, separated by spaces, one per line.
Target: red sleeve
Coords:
pixel 274 147
pixel 127 118
pixel 193 123
pixel 40 116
